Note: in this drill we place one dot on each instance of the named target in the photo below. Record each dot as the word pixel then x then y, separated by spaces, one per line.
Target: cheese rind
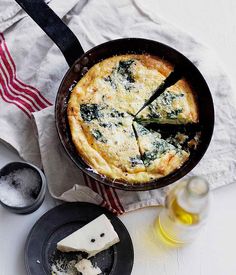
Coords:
pixel 94 237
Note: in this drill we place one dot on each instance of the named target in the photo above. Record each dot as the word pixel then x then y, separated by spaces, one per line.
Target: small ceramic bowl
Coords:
pixel 14 166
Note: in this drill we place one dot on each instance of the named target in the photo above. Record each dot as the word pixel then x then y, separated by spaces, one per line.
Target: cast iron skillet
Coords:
pixel 80 63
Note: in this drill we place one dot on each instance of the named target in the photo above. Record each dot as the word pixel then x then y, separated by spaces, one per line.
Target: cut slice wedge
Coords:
pixel 159 156
pixel 112 136
pixel 106 140
pixel 176 105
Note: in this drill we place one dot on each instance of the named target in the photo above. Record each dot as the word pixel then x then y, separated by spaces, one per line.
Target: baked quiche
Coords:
pixel 176 105
pixel 159 156
pixel 101 113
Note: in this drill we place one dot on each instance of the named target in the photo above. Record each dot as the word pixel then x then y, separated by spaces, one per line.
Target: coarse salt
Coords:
pixel 20 188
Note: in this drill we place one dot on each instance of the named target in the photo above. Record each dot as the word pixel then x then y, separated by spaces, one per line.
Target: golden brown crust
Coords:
pixel 156 63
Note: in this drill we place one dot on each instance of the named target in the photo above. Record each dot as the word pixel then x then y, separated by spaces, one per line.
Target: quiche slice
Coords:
pixel 159 156
pixel 104 137
pixel 176 105
pixel 123 82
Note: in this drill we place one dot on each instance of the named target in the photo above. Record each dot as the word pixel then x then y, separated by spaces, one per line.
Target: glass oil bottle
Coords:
pixel 185 211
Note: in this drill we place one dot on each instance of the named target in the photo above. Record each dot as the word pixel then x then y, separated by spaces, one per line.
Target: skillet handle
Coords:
pixel 53 26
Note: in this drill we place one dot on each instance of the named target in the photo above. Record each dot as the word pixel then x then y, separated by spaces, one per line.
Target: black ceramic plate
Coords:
pixel 41 253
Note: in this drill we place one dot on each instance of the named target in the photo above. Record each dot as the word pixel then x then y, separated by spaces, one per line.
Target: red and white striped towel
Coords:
pixel 31 69
pixel 13 91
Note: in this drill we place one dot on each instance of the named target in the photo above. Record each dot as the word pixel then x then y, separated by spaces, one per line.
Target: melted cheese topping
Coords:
pixel 100 114
pixel 123 82
pixel 176 105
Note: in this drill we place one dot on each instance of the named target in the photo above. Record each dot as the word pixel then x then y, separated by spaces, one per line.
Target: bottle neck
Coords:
pixel 194 196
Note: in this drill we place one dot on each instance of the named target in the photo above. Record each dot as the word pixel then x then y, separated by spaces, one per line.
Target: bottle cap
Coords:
pixel 194 197
pixel 197 187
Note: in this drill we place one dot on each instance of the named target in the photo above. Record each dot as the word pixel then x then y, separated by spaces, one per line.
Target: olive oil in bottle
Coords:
pixel 185 210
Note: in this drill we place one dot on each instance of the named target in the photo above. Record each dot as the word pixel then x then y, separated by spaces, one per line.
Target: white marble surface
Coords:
pixel 213 253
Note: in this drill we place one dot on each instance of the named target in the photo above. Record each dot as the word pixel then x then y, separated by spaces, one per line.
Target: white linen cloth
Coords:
pixel 41 66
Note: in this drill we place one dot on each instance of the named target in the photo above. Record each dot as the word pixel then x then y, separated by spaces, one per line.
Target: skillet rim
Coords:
pixel 194 159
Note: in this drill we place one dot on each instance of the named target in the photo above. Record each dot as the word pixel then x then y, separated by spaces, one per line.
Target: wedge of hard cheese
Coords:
pixel 92 238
